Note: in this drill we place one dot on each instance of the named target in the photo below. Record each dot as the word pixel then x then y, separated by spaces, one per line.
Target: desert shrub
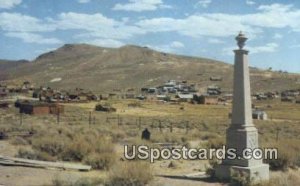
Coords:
pixel 19 141
pixel 286 179
pixel 168 138
pixel 97 151
pixel 31 154
pixel 76 150
pixel 215 143
pixel 60 182
pixel 52 146
pixel 288 155
pixel 27 154
pixel 118 135
pixel 135 104
pixel 88 182
pixel 210 169
pixel 239 179
pixel 209 136
pixel 102 161
pixel 130 174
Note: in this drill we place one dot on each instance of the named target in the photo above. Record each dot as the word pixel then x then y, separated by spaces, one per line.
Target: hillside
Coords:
pixel 104 69
pixel 7 65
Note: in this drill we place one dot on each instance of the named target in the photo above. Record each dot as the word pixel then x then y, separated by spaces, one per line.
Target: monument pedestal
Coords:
pixel 255 173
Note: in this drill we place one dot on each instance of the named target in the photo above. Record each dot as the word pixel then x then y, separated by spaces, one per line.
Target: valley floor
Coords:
pixel 206 126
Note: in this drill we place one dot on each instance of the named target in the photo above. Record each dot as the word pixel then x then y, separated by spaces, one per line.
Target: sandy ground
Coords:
pixel 23 176
pixel 181 174
pixel 20 176
pixel 26 176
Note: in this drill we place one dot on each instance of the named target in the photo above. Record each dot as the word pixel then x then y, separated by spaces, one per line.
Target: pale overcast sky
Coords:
pixel 203 28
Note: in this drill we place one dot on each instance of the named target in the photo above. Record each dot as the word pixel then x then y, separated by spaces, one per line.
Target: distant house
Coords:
pixel 213 90
pixel 259 114
pixel 40 108
pixel 141 97
pixel 287 99
pixel 171 83
pixel 144 89
pixel 228 97
pixel 261 96
pixel 162 97
pixel 206 99
pixel 185 97
pixel 152 90
pixel 129 96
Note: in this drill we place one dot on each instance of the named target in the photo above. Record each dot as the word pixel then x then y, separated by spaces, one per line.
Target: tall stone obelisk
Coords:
pixel 242 134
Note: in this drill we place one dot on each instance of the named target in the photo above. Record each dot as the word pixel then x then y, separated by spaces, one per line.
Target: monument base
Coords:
pixel 255 173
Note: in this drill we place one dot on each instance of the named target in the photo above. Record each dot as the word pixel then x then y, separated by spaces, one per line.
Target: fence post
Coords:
pixel 160 126
pixel 90 118
pixel 140 123
pixel 187 127
pixel 21 118
pixel 277 134
pixel 58 115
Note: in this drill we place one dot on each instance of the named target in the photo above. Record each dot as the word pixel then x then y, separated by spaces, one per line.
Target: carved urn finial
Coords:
pixel 241 40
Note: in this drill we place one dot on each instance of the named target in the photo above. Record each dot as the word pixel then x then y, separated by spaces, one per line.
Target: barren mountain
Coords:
pixel 104 69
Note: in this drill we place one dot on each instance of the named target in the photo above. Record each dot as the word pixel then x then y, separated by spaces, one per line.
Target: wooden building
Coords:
pixel 206 100
pixel 40 108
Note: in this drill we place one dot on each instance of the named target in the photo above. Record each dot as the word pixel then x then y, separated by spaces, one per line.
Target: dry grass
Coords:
pixel 287 179
pixel 74 139
pixel 130 173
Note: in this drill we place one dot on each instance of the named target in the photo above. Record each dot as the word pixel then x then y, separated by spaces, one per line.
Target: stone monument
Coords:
pixel 242 134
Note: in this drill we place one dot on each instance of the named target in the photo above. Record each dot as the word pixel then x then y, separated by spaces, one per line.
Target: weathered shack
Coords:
pixel 185 97
pixel 206 99
pixel 213 90
pixel 40 108
pixel 287 99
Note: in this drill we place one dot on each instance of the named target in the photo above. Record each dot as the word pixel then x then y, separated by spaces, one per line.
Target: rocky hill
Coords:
pixel 104 69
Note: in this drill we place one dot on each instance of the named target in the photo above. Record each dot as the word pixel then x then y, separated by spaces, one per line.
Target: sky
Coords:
pixel 201 28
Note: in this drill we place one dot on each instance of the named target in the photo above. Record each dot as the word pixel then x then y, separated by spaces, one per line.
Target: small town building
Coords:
pixel 185 97
pixel 129 96
pixel 206 99
pixel 152 90
pixel 162 97
pixel 213 90
pixel 40 108
pixel 287 99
